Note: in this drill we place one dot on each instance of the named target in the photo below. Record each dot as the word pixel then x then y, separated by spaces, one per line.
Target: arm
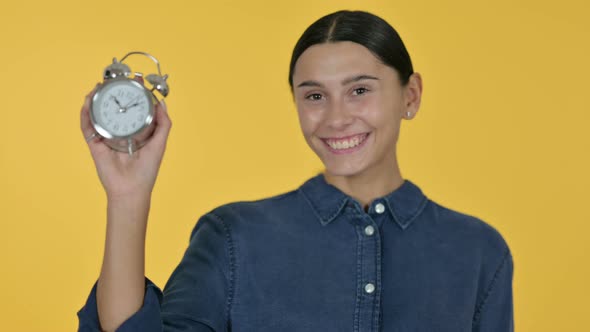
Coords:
pixel 128 182
pixel 121 285
pixel 198 295
pixel 495 313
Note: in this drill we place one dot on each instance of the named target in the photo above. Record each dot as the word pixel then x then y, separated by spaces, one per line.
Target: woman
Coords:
pixel 357 248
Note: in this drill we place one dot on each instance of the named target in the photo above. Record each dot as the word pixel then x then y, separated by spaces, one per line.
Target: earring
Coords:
pixel 408 114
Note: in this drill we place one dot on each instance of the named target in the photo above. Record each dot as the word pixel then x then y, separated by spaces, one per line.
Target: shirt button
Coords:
pixel 369 230
pixel 379 208
pixel 369 288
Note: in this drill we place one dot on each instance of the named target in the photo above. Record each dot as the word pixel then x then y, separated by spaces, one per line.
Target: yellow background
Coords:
pixel 502 134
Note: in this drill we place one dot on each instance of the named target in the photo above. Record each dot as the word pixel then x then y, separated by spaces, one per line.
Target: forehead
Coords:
pixel 335 61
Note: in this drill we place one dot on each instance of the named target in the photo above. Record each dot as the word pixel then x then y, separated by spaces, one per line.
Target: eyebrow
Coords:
pixel 345 82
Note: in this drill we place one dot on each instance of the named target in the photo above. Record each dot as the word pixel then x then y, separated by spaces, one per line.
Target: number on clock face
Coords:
pixel 123 108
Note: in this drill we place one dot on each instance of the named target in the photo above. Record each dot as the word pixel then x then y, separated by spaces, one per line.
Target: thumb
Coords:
pixel 163 124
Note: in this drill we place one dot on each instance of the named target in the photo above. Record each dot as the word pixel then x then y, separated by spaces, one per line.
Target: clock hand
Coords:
pixel 121 108
pixel 132 100
pixel 128 107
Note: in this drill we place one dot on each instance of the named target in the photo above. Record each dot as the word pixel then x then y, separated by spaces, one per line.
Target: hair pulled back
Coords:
pixel 362 28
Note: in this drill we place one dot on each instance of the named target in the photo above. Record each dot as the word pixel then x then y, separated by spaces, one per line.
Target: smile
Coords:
pixel 346 144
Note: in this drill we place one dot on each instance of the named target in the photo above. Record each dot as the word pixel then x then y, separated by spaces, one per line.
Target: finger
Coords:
pixel 163 124
pixel 90 135
pixel 162 105
pixel 139 79
pixel 85 124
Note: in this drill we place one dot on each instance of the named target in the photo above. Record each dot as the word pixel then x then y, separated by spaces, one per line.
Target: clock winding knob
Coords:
pixel 159 83
pixel 116 69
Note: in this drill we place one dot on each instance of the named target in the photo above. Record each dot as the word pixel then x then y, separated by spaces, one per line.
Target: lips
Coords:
pixel 345 144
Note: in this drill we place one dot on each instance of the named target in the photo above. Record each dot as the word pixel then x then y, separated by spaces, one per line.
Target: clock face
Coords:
pixel 121 108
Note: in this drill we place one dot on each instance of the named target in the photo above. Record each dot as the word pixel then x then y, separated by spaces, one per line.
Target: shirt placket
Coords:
pixel 369 269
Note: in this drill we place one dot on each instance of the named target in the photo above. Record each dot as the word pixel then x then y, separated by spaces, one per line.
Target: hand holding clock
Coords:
pixel 123 175
pixel 128 175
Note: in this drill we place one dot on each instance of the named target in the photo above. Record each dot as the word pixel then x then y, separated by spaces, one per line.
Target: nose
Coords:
pixel 338 115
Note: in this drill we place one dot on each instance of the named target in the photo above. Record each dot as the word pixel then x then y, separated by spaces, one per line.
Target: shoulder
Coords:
pixel 269 205
pixel 467 236
pixel 252 212
pixel 473 239
pixel 470 228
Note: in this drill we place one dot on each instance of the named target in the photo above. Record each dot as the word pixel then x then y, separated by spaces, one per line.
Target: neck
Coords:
pixel 369 184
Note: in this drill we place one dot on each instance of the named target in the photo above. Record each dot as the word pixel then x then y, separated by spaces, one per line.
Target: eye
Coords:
pixel 314 97
pixel 359 91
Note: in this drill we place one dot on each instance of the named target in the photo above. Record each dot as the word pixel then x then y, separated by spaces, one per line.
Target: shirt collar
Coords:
pixel 403 204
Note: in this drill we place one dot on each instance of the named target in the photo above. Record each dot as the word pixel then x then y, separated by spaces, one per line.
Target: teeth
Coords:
pixel 346 144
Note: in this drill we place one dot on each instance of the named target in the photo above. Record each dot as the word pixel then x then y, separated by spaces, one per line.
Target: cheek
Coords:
pixel 373 111
pixel 388 110
pixel 309 120
pixel 390 120
pixel 380 113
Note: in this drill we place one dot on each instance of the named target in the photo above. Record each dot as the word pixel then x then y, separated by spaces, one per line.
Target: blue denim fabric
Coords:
pixel 306 261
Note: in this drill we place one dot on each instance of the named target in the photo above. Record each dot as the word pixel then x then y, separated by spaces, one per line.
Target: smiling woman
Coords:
pixel 357 247
pixel 353 82
pixel 350 107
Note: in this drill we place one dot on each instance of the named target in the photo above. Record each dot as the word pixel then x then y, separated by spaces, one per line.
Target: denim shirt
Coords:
pixel 313 260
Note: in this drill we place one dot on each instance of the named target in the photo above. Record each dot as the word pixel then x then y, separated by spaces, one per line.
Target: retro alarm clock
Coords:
pixel 122 109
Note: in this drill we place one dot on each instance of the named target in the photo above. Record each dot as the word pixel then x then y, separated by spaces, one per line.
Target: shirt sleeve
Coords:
pixel 146 319
pixel 196 297
pixel 496 312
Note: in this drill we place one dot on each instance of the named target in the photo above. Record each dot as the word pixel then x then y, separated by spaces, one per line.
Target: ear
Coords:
pixel 412 95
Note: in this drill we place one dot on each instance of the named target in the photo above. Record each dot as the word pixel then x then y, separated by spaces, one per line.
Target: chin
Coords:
pixel 343 169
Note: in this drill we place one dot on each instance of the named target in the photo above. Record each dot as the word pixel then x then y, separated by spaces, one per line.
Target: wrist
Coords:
pixel 129 206
pixel 130 198
pixel 128 214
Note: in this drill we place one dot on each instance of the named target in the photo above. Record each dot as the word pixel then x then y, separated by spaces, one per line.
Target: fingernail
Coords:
pixel 163 103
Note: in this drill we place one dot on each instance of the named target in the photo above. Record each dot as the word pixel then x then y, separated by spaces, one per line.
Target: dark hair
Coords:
pixel 362 28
